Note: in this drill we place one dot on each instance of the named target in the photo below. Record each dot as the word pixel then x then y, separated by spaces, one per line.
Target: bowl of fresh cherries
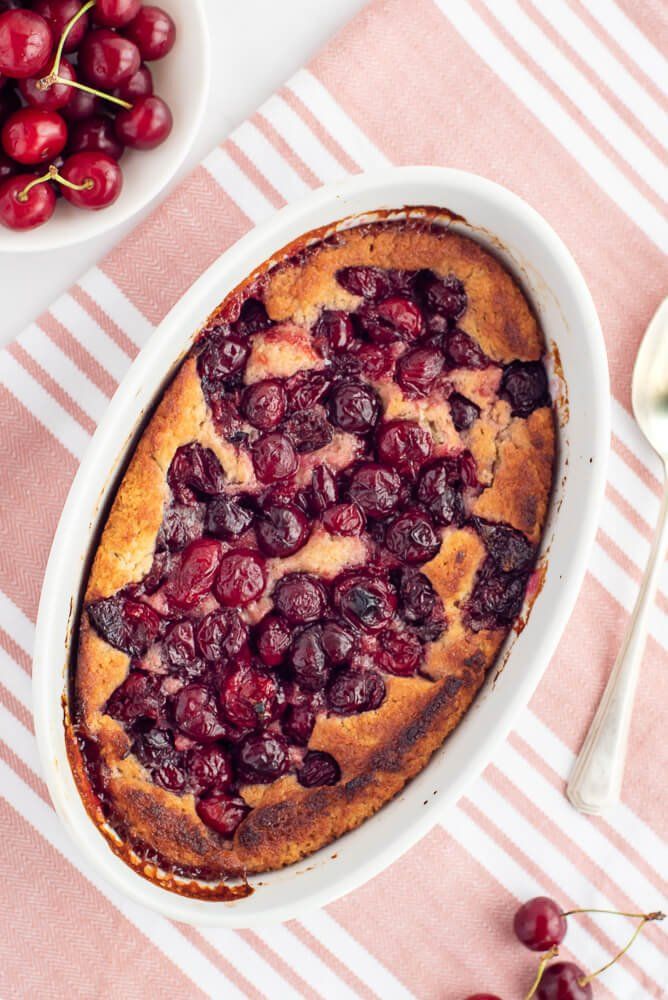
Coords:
pixel 100 101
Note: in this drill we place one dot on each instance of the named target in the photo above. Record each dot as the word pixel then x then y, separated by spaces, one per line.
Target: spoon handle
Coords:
pixel 596 780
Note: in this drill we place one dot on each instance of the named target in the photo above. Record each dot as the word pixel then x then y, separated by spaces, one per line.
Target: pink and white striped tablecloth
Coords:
pixel 563 101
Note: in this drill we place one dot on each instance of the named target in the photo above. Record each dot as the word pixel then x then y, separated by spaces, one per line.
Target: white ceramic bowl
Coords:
pixel 182 79
pixel 506 224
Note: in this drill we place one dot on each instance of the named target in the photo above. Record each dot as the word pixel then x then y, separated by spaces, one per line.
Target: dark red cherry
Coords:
pixel 411 537
pixel 563 981
pixel 140 84
pixel 58 14
pixel 417 598
pixel 101 175
pixel 372 360
pixel 400 652
pixel 307 659
pixel 354 407
pixel 32 136
pixel 180 644
pixel 404 445
pixel 282 529
pixel 274 458
pixel 344 519
pixel 370 282
pixel 25 43
pixel 193 471
pixel 439 489
pixel 209 767
pixel 463 352
pixel 318 768
pixel 510 549
pixel 81 105
pixel 308 430
pixel 273 636
pixel 153 32
pixel 222 358
pixel 195 574
pixel 324 491
pixel 252 318
pixel 221 634
pixel 227 518
pixel 353 691
pixel 95 135
pixel 262 757
pixel 464 413
pixel 300 598
pixel 524 385
pixel 126 624
pixel 241 579
pixel 181 524
pixel 222 812
pixel 138 697
pixel 196 713
pixel 115 13
pixel 403 314
pixel 336 328
pixel 366 600
pixel 540 924
pixel 418 369
pixel 305 389
pixel 264 403
pixel 445 296
pixel 146 124
pixel 35 210
pixel 249 696
pixel 338 641
pixel 375 488
pixel 53 98
pixel 106 59
pixel 496 599
pixel 298 721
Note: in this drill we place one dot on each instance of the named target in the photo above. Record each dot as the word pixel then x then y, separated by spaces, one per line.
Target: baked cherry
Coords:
pixel 510 549
pixel 354 407
pixel 196 713
pixel 300 598
pixel 221 635
pixel 138 697
pixel 540 924
pixel 282 529
pixel 524 385
pixel 97 134
pixel 418 369
pixel 33 136
pixel 309 430
pixel 140 84
pixel 307 659
pixel 336 328
pixel 411 537
pixel 369 282
pixel 274 458
pixel 375 488
pixel 463 352
pixel 195 470
pixel 344 519
pixel 25 43
pixel 252 318
pixel 338 641
pixel 400 652
pixel 318 768
pixel 445 296
pixel 153 32
pixel 129 625
pixel 241 579
pixel 181 524
pixel 464 413
pixel 324 491
pixel 106 59
pixel 305 389
pixel 353 691
pixel 52 98
pixel 195 575
pixel 264 403
pixel 98 179
pixel 368 601
pixel 227 518
pixel 58 14
pixel 496 599
pixel 21 210
pixel 262 757
pixel 209 767
pixel 439 489
pixel 273 636
pixel 404 445
pixel 372 360
pixel 222 358
pixel 417 598
pixel 146 124
pixel 222 812
pixel 115 13
pixel 180 644
pixel 249 695
pixel 298 722
pixel 564 981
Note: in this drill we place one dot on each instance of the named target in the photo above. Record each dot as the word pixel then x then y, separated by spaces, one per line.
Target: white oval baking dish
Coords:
pixel 507 225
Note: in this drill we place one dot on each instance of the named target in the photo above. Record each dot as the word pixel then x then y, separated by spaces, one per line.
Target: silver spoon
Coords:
pixel 596 780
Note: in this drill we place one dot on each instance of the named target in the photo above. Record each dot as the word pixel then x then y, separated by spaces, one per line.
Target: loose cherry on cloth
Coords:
pixel 540 924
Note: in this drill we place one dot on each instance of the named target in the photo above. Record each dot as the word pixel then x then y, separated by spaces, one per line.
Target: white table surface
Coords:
pixel 257 45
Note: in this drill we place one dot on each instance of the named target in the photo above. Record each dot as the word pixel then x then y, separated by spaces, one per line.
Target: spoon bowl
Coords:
pixel 649 393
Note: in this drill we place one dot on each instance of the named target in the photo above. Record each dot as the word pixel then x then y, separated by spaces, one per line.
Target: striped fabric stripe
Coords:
pixel 565 102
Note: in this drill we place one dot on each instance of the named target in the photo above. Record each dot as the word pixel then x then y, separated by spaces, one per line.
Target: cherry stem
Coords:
pixel 645 918
pixel 63 38
pixel 53 175
pixel 547 957
pixel 618 913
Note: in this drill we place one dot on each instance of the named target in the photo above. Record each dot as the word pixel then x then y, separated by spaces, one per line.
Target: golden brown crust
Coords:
pixel 377 751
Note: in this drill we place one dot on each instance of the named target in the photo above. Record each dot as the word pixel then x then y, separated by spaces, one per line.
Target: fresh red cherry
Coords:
pixel 52 98
pixel 25 43
pixel 81 105
pixel 37 208
pixel 140 84
pixel 95 135
pixel 97 170
pixel 32 136
pixel 115 13
pixel 58 14
pixel 540 924
pixel 106 59
pixel 153 32
pixel 146 124
pixel 563 981
pixel 222 812
pixel 242 578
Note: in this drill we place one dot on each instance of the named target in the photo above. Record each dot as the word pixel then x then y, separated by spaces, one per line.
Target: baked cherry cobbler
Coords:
pixel 326 531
